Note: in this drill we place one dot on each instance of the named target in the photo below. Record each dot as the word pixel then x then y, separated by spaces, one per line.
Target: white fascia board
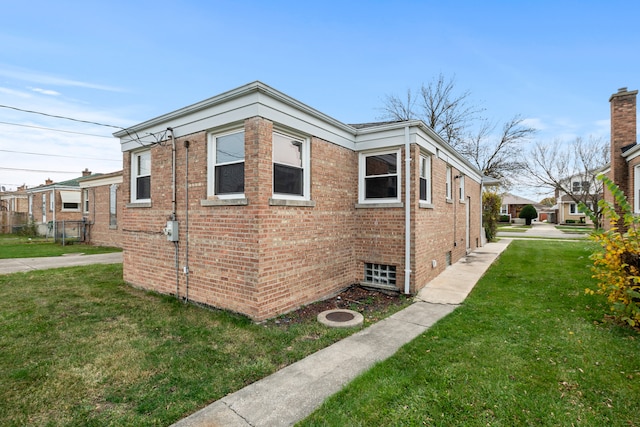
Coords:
pixel 392 135
pixel 98 182
pixel 53 187
pixel 632 153
pixel 254 99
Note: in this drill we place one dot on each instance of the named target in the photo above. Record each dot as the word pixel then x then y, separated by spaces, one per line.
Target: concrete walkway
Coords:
pixel 291 394
pixel 542 230
pixel 16 265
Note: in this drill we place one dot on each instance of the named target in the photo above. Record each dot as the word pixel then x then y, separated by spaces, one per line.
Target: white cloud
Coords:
pixel 46 79
pixel 535 122
pixel 45 91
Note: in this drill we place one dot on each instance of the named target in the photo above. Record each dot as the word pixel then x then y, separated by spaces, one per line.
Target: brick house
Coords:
pixel 624 168
pixel 14 208
pixel 254 202
pixel 512 205
pixel 101 196
pixel 54 202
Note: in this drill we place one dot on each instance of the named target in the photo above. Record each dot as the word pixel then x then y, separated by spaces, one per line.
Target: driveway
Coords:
pixel 542 230
pixel 15 265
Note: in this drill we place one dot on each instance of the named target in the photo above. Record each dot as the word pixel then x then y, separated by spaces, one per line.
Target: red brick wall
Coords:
pixel 442 228
pixel 262 260
pixel 101 233
pixel 623 133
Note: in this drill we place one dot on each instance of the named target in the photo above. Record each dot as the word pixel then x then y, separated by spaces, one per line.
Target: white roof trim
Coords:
pixel 257 99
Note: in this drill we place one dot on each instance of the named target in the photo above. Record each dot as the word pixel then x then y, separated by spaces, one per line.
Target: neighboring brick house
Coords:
pixel 624 168
pixel 101 196
pixel 512 205
pixel 253 202
pixel 54 202
pixel 14 209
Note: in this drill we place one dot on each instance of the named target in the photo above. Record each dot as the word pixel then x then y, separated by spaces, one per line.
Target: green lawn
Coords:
pixel 12 246
pixel 79 347
pixel 527 347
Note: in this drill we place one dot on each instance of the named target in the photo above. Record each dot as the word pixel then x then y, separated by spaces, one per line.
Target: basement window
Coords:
pixel 380 274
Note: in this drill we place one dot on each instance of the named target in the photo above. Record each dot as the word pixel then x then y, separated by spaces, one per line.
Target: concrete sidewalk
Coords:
pixel 291 394
pixel 16 265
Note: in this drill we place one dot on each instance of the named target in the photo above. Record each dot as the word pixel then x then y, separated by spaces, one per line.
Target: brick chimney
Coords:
pixel 623 136
pixel 48 181
pixel 86 172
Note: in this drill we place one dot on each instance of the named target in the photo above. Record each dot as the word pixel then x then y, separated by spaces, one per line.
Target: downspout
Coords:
pixel 186 238
pixel 407 212
pixel 173 208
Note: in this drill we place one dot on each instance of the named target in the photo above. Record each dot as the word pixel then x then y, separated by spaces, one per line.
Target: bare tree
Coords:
pixel 560 166
pixel 439 106
pixel 497 154
pixel 460 124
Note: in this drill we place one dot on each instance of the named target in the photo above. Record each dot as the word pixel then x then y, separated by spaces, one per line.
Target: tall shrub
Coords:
pixel 616 266
pixel 491 203
pixel 528 213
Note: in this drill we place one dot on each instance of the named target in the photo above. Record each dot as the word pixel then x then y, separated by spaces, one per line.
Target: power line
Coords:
pixel 60 155
pixel 61 117
pixel 35 170
pixel 56 130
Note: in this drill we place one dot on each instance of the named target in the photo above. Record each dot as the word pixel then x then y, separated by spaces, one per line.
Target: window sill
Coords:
pixel 139 205
pixel 449 201
pixel 292 203
pixel 378 205
pixel 425 205
pixel 113 227
pixel 225 202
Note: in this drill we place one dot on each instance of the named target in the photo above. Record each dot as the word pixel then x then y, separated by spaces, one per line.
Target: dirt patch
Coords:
pixel 373 304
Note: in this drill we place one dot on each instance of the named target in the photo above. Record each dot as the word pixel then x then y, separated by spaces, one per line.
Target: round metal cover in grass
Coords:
pixel 340 318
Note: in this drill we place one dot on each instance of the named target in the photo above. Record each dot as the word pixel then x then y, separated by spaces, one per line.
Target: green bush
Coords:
pixel 528 213
pixel 570 221
pixel 617 264
pixel 491 203
pixel 504 218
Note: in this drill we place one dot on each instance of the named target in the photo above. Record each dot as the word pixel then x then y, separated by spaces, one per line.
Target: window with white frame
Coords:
pixel 44 207
pixel 86 200
pixel 113 216
pixel 290 167
pixel 580 186
pixel 461 188
pixel 448 182
pixel 141 176
pixel 226 157
pixel 52 199
pixel 636 189
pixel 573 209
pixel 504 210
pixel 379 177
pixel 425 178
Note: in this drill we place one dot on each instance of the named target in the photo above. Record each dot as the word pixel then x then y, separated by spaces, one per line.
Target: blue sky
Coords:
pixel 122 62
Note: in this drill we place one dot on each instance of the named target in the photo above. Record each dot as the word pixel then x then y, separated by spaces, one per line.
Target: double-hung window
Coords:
pixel 85 195
pixel 141 176
pixel 425 178
pixel 448 181
pixel 380 177
pixel 226 154
pixel 113 213
pixel 290 167
pixel 461 188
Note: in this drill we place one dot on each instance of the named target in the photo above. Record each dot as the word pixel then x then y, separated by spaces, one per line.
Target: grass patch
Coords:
pixel 527 347
pixel 12 246
pixel 81 348
pixel 574 229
